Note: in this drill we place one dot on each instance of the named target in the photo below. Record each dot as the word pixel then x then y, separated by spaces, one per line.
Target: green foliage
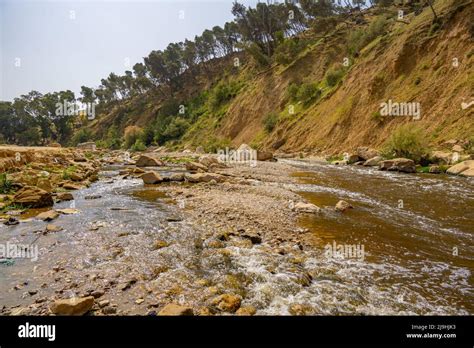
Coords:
pixel 6 186
pixel 270 121
pixel 223 92
pixel 334 75
pixel 213 144
pixel 288 50
pixel 81 136
pixel 138 146
pixel 377 116
pixel 68 171
pixel 258 56
pixel 358 39
pixel 407 141
pixel 305 93
pixel 175 130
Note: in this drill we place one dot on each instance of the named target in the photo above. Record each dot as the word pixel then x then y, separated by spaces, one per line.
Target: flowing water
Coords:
pixel 416 231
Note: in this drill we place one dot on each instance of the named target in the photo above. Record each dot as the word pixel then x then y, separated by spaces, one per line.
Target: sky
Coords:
pixel 57 45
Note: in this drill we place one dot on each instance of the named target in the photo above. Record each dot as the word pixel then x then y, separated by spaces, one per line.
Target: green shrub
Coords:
pixel 407 141
pixel 360 38
pixel 292 92
pixel 270 121
pixel 175 130
pixel 222 93
pixel 82 136
pixel 333 76
pixel 68 171
pixel 287 51
pixel 6 186
pixel 213 144
pixel 308 92
pixel 138 146
pixel 259 57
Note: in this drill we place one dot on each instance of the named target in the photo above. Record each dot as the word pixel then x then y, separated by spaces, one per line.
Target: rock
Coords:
pixel 172 309
pixel 48 215
pixel 65 196
pixel 72 186
pixel 97 293
pixel 104 303
pixel 92 197
pixel 398 164
pixel 366 153
pixel 72 306
pixel 373 162
pixel 68 211
pixel 302 207
pixel 246 311
pixel 339 163
pixel 151 178
pixel 33 197
pixel 109 310
pixel 442 157
pixel 210 160
pixel 177 177
pixel 253 237
pixel 199 149
pixel 300 309
pixel 351 158
pixel 76 176
pixel 264 156
pixel 195 166
pixel 87 146
pixel 465 168
pixel 44 184
pixel 227 302
pixel 53 228
pixel 204 177
pixel 148 161
pixel 457 148
pixel 342 206
pixel 12 221
pixel 435 169
pixel 159 244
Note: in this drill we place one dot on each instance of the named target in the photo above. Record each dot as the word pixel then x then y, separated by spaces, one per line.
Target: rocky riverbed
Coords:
pixel 184 234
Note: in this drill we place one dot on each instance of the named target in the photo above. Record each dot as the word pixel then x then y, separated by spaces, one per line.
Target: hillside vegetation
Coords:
pixel 314 83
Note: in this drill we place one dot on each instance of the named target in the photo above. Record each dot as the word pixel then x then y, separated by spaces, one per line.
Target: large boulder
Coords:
pixel 366 153
pixel 172 309
pixel 48 215
pixel 398 164
pixel 195 167
pixel 373 162
pixel 72 306
pixel 465 168
pixel 342 206
pixel 351 158
pixel 33 197
pixel 151 178
pixel 264 156
pixel 443 157
pixel 148 161
pixel 204 177
pixel 209 161
pixel 227 302
pixel 302 207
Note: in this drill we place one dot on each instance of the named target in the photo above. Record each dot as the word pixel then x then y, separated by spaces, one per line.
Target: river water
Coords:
pixel 416 233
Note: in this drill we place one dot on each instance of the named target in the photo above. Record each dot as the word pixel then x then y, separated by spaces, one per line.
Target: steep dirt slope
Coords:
pixel 409 64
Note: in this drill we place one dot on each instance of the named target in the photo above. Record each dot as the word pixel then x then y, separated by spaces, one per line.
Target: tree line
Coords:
pixel 264 31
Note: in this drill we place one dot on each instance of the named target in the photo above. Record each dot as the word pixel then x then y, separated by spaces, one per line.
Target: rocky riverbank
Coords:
pixel 105 250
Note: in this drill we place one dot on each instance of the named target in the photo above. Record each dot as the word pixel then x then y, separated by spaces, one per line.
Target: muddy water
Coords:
pixel 417 232
pixel 408 266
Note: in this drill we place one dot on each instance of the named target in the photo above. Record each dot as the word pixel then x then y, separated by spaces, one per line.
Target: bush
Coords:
pixel 305 93
pixel 308 92
pixel 6 186
pixel 333 76
pixel 407 141
pixel 358 39
pixel 222 93
pixel 175 130
pixel 138 146
pixel 270 121
pixel 131 134
pixel 82 136
pixel 287 51
pixel 259 57
pixel 213 144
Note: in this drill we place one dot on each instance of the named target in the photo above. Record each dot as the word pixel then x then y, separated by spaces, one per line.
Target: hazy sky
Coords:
pixel 57 45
